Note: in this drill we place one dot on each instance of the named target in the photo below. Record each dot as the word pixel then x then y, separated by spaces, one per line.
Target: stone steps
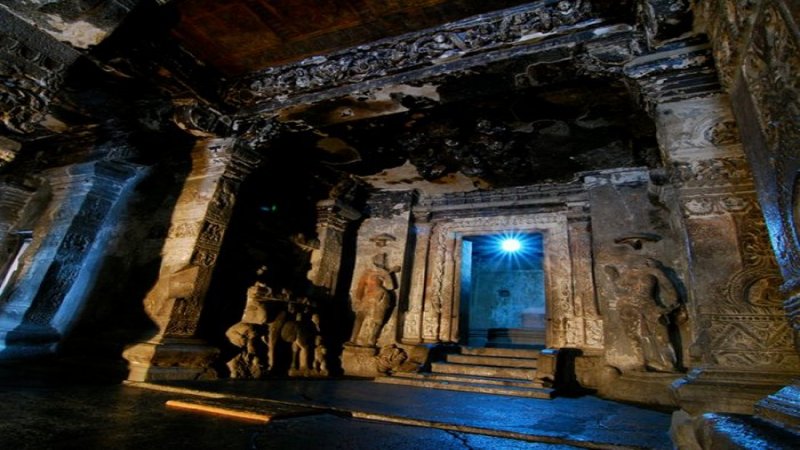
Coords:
pixel 469 386
pixel 500 352
pixel 470 378
pixel 492 361
pixel 484 371
pixel 499 371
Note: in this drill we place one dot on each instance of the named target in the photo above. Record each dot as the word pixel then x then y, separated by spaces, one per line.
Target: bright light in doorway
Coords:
pixel 510 245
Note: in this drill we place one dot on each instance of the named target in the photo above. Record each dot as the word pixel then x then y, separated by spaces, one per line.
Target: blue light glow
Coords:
pixel 510 245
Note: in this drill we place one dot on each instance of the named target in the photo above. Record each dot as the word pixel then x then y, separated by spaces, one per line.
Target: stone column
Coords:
pixel 14 199
pixel 412 321
pixel 58 267
pixel 742 346
pixel 333 218
pixel 765 45
pixel 190 252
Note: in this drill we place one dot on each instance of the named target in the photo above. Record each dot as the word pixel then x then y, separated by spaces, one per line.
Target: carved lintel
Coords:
pixel 390 56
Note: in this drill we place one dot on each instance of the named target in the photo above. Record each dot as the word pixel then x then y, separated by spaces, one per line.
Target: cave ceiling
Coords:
pixel 461 93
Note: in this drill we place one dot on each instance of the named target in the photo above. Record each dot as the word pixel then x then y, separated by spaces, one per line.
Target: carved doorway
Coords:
pixel 503 291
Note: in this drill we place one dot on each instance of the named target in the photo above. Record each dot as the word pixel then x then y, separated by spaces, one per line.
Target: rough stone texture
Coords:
pixel 190 251
pixel 622 207
pixel 739 329
pixel 383 235
pixel 57 271
pixel 442 222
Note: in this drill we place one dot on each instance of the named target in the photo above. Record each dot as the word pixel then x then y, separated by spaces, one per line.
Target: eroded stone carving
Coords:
pixel 650 310
pixel 373 299
pixel 270 320
pixel 390 56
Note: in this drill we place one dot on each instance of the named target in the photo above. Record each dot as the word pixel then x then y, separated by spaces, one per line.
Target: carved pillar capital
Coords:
pixel 684 71
pixel 198 119
pixel 335 214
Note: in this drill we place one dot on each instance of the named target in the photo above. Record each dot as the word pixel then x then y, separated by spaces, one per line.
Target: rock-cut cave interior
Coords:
pixel 456 209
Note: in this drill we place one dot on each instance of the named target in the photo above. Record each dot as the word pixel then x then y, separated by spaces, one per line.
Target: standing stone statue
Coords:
pixel 649 308
pixel 373 301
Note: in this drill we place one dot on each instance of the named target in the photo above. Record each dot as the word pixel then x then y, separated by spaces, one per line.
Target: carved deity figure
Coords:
pixel 263 329
pixel 320 357
pixel 373 301
pixel 650 310
pixel 248 334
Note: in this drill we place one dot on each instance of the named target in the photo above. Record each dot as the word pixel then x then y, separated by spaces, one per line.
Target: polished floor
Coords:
pixel 53 407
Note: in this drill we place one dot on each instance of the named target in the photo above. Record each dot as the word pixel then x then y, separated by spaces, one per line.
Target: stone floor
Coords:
pixel 44 409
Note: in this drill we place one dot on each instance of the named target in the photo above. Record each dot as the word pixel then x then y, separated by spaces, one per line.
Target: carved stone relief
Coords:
pixel 440 303
pixel 414 50
pixel 379 284
pixel 651 312
pixel 270 322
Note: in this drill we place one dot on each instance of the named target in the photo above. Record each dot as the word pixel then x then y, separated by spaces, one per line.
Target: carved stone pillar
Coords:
pixel 412 321
pixel 190 252
pixel 741 347
pixel 15 196
pixel 333 218
pixel 58 267
pixel 766 98
pixel 587 332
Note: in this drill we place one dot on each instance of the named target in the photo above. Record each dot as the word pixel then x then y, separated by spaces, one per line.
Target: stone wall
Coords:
pixel 757 50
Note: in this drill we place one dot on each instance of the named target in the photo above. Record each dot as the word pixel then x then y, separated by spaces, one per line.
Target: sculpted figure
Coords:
pixel 649 306
pixel 320 357
pixel 248 333
pixel 372 301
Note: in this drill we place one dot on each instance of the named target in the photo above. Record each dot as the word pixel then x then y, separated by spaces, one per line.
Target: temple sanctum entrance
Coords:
pixel 502 291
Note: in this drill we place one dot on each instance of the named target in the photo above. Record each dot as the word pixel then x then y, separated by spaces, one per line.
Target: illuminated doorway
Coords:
pixel 503 291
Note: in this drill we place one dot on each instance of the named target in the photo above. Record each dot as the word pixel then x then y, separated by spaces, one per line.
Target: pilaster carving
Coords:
pixel 738 324
pixel 42 300
pixel 333 220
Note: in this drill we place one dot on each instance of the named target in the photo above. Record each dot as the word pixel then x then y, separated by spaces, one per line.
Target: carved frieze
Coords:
pixel 389 56
pixel 712 172
pixel 716 204
pixel 751 340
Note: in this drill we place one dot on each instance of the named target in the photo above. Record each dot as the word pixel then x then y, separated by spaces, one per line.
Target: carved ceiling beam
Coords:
pixel 450 48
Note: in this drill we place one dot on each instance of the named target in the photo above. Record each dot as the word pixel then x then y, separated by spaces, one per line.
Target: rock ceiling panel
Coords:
pixel 242 36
